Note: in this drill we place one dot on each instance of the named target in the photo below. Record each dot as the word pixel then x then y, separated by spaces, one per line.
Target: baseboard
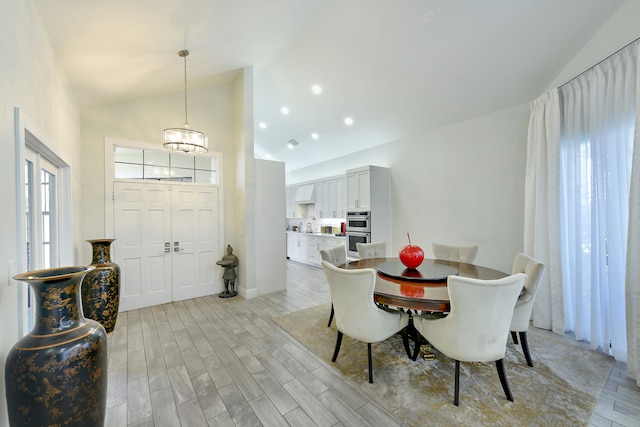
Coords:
pixel 248 294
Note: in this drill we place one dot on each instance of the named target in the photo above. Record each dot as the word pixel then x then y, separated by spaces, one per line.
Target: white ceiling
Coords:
pixel 397 67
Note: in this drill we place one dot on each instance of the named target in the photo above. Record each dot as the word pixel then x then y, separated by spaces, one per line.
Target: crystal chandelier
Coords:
pixel 184 139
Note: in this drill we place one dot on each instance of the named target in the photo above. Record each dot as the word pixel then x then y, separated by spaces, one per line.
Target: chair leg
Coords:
pixel 405 341
pixel 338 343
pixel 370 364
pixel 456 390
pixel 514 336
pixel 416 350
pixel 525 347
pixel 503 379
pixel 330 316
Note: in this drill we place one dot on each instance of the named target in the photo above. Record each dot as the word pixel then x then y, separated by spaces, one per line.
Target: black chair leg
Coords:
pixel 416 350
pixel 503 379
pixel 525 347
pixel 514 336
pixel 338 343
pixel 370 364
pixel 405 341
pixel 456 390
pixel 330 316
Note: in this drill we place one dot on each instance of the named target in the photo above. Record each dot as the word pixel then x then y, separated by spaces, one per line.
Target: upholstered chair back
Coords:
pixel 534 270
pixel 466 254
pixel 356 313
pixel 336 256
pixel 372 250
pixel 477 326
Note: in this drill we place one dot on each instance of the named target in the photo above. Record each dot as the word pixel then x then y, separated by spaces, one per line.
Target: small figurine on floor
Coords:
pixel 229 262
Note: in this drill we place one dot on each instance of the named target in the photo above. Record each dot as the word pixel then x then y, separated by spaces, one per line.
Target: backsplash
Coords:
pixel 316 224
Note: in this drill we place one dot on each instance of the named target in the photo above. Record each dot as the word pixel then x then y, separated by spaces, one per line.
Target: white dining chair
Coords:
pixel 372 250
pixel 522 311
pixel 336 256
pixel 466 254
pixel 477 326
pixel 357 316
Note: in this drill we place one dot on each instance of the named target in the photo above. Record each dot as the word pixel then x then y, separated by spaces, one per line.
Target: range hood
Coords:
pixel 305 194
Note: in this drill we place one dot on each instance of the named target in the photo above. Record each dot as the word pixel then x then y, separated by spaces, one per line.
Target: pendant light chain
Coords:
pixel 184 54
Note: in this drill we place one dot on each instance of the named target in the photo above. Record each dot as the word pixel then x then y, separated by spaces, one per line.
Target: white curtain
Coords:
pixel 542 208
pixel 598 118
pixel 632 294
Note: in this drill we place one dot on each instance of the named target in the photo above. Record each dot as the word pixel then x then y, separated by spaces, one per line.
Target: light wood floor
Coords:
pixel 223 362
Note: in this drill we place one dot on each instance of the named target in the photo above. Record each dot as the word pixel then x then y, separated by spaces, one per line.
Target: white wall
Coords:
pixel 461 184
pixel 271 242
pixel 619 30
pixel 32 80
pixel 143 120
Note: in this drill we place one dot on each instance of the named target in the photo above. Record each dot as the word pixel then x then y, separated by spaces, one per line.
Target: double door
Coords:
pixel 167 242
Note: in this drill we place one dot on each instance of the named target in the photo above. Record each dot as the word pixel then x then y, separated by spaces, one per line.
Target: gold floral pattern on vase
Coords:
pixel 57 374
pixel 101 287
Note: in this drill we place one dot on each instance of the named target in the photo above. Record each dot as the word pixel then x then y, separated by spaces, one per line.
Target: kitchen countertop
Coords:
pixel 314 234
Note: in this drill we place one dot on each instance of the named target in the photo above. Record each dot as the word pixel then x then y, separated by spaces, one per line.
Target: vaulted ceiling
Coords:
pixel 396 67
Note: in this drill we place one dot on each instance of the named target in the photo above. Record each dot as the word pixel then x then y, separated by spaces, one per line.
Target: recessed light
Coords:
pixel 428 16
pixel 314 135
pixel 284 110
pixel 348 121
pixel 317 89
pixel 291 144
pixel 262 125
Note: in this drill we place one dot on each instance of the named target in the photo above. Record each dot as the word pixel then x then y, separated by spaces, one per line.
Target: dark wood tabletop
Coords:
pixel 424 288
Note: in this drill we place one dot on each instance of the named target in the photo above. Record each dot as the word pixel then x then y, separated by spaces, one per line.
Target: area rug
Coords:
pixel 560 390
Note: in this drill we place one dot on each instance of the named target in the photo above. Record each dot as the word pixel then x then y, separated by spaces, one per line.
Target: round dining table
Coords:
pixel 423 288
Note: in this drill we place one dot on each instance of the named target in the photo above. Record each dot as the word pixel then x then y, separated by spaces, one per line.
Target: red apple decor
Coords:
pixel 411 256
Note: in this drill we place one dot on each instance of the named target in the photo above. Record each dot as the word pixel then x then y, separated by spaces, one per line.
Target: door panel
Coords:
pixel 195 227
pixel 142 225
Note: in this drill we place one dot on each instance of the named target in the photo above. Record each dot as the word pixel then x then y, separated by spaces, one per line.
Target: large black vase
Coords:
pixel 57 374
pixel 101 287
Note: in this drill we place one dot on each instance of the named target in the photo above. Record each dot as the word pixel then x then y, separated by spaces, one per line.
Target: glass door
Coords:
pixel 41 225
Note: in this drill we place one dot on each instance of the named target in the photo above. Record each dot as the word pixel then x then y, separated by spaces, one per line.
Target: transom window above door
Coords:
pixel 137 163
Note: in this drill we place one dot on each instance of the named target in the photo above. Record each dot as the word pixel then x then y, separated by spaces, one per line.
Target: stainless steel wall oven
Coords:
pixel 358 230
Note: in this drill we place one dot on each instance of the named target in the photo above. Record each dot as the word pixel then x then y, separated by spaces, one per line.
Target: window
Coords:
pixel 598 119
pixel 41 243
pixel 135 163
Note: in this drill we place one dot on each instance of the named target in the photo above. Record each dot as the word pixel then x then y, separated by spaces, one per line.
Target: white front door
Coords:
pixel 195 241
pixel 166 242
pixel 142 229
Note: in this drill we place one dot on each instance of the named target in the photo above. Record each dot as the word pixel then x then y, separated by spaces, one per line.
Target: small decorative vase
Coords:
pixel 57 374
pixel 101 287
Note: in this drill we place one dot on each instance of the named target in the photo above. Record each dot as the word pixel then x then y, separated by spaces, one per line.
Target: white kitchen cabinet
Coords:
pixel 359 190
pixel 338 190
pixel 302 247
pixel 291 208
pixel 341 198
pixel 327 242
pixel 290 245
pixel 299 249
pixel 322 199
pixel 313 256
pixel 331 198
